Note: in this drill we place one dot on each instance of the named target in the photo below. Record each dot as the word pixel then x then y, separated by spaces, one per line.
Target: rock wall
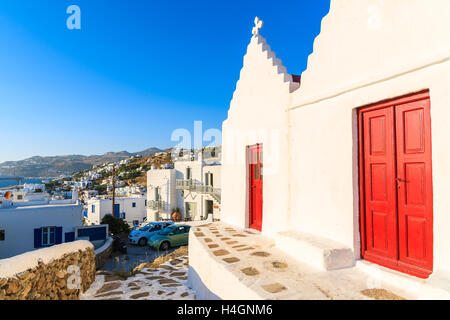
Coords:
pixel 61 272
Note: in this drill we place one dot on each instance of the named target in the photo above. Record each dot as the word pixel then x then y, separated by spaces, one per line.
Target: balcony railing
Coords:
pixel 158 205
pixel 197 186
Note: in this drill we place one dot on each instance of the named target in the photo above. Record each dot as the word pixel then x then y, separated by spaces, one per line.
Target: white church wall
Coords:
pixel 354 65
pixel 257 115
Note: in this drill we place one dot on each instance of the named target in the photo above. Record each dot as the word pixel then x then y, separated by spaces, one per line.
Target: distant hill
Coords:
pixel 148 152
pixel 47 167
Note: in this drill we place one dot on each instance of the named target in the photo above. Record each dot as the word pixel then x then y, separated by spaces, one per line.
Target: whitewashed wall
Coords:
pixel 104 207
pixel 367 51
pixel 19 224
pixel 257 115
pixel 358 60
pixel 165 179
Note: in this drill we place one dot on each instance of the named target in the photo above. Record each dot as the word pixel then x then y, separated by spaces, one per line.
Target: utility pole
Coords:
pixel 113 189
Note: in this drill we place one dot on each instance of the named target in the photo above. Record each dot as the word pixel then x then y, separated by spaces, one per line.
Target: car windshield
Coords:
pixel 146 227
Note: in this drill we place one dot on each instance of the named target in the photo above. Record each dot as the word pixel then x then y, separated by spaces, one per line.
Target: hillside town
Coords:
pixel 332 192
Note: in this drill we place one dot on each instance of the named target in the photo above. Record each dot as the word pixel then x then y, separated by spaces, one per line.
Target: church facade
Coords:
pixel 349 162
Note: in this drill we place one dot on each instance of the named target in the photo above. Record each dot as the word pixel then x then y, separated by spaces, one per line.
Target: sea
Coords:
pixel 7 183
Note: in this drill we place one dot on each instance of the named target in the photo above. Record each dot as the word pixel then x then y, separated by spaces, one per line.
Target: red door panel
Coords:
pixel 256 186
pixel 380 188
pixel 396 184
pixel 415 214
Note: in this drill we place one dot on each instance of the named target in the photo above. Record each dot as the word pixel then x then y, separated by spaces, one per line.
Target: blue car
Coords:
pixel 140 236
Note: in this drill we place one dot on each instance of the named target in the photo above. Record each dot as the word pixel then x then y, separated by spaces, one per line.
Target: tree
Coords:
pixel 116 225
pixel 52 184
pixel 101 189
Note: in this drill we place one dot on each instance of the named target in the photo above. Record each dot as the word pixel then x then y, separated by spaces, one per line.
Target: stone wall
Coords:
pixel 60 272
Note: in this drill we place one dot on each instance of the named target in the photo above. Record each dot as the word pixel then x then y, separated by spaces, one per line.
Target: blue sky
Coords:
pixel 135 71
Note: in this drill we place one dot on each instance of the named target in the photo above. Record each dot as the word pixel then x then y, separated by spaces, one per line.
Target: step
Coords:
pixel 321 253
pixel 436 287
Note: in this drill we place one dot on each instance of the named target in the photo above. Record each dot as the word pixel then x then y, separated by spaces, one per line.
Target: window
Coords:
pixel 135 222
pixel 93 208
pixel 145 203
pixel 2 235
pixel 180 230
pixel 20 197
pixel 209 179
pixel 156 227
pixel 48 236
pixel 188 174
pixel 133 204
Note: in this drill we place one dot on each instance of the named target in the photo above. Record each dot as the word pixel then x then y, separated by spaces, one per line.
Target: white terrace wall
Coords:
pixel 367 51
pixel 257 115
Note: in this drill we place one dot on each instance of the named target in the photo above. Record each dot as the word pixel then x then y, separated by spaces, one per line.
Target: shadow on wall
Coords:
pixel 201 291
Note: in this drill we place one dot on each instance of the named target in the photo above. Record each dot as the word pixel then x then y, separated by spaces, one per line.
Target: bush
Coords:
pixel 116 225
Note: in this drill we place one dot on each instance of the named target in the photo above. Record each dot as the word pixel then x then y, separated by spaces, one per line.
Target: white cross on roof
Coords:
pixel 258 25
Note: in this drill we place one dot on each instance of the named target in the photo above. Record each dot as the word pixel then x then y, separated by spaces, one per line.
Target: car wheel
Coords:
pixel 164 246
pixel 142 242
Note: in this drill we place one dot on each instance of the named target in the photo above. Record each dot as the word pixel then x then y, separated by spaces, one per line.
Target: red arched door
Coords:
pixel 255 164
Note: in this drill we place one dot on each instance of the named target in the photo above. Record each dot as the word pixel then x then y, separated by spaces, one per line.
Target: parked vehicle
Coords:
pixel 140 235
pixel 176 235
pixel 119 245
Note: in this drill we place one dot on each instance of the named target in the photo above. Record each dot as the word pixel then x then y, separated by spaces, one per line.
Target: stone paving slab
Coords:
pixel 169 281
pixel 272 274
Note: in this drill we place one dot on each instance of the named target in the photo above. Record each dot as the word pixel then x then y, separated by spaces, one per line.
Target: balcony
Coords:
pixel 197 186
pixel 159 205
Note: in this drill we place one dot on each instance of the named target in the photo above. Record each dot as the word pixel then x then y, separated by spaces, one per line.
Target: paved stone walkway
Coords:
pixel 166 282
pixel 272 274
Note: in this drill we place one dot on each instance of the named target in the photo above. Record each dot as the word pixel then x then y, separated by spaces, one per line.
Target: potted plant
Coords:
pixel 176 215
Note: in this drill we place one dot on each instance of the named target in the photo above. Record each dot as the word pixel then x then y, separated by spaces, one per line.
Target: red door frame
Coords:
pixel 412 270
pixel 254 222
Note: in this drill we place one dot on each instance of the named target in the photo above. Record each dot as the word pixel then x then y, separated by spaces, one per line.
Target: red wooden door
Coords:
pixel 396 180
pixel 380 189
pixel 256 186
pixel 415 207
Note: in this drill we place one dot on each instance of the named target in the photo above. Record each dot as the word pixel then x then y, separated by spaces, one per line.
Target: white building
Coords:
pixel 348 161
pixel 88 194
pixel 130 191
pixel 33 187
pixel 191 186
pixel 132 209
pixel 31 221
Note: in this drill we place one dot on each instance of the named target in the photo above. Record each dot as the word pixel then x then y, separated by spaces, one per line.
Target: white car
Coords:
pixel 140 236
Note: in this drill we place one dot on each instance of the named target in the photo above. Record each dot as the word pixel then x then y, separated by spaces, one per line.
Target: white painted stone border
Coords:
pixel 105 246
pixel 29 260
pixel 211 279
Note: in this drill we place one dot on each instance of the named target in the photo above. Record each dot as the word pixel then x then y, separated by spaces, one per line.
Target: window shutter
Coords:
pixel 58 235
pixel 37 238
pixel 69 236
